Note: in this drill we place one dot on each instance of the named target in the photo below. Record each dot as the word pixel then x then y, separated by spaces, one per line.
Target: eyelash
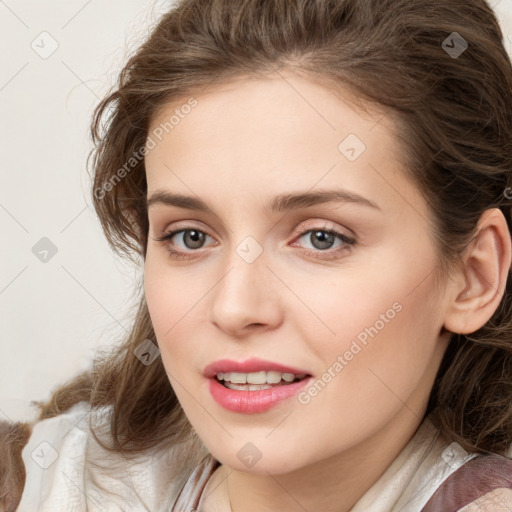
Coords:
pixel 332 254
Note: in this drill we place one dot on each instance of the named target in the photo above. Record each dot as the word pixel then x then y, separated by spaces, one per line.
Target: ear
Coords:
pixel 480 283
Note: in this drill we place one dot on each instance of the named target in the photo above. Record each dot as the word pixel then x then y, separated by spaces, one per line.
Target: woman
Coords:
pixel 320 191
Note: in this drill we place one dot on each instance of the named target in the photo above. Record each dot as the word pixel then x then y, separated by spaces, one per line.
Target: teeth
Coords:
pixel 240 378
pixel 274 377
pixel 246 387
pixel 270 377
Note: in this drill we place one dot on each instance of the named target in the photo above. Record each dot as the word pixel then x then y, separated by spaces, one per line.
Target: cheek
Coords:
pixel 171 293
pixel 172 300
pixel 385 339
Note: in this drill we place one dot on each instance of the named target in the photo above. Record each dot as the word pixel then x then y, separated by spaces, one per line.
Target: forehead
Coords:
pixel 264 135
pixel 273 101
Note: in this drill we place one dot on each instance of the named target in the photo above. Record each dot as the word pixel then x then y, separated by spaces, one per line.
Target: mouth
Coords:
pixel 254 385
pixel 252 371
pixel 257 381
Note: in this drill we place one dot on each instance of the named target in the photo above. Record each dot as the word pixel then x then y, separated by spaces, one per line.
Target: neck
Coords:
pixel 330 485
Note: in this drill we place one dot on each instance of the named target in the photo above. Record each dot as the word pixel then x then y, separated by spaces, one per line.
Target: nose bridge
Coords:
pixel 245 295
pixel 245 280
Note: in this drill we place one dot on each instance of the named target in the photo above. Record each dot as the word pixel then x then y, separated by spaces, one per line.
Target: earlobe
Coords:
pixel 483 277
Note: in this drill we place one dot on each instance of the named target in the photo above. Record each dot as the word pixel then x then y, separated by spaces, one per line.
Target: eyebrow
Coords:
pixel 280 203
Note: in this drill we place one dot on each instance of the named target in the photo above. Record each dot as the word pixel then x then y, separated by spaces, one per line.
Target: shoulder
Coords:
pixel 66 468
pixel 13 436
pixel 54 451
pixel 24 445
pixel 482 483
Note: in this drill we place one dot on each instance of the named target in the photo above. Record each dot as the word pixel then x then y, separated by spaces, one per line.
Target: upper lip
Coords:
pixel 249 366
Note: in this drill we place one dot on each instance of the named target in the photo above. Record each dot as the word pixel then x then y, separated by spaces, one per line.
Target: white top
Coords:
pixel 67 470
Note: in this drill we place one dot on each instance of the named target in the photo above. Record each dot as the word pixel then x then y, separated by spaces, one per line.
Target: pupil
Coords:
pixel 196 237
pixel 326 239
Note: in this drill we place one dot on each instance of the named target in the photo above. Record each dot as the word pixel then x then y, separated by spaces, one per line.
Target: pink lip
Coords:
pixel 248 366
pixel 251 402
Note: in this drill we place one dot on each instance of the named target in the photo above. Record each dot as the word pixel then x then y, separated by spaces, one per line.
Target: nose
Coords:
pixel 246 299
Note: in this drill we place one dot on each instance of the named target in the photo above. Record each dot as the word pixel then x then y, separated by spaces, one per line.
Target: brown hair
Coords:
pixel 454 119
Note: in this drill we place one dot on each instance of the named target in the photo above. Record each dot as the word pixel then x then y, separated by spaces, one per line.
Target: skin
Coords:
pixel 245 142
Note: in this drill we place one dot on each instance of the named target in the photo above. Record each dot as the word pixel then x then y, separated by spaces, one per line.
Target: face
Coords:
pixel 340 287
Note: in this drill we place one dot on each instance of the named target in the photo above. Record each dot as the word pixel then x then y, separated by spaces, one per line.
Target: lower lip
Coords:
pixel 250 402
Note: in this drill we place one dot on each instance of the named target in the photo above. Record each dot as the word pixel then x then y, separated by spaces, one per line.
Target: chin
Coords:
pixel 250 459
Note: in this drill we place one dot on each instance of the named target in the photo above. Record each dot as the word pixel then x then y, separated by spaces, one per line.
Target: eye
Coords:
pixel 321 239
pixel 192 238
